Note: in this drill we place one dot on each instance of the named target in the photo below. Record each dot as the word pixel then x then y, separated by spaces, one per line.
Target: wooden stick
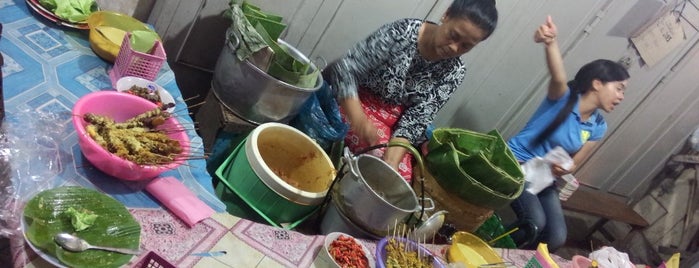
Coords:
pixel 191 98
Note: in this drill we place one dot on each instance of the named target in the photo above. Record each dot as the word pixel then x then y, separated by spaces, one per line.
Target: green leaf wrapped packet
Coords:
pixel 143 41
pixel 478 168
pixel 81 220
pixel 257 30
pixel 70 10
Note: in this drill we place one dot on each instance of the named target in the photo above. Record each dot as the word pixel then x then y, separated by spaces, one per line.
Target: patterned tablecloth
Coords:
pixel 247 244
pixel 47 68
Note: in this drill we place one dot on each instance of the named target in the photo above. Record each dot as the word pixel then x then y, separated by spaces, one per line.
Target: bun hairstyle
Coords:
pixel 482 13
pixel 603 70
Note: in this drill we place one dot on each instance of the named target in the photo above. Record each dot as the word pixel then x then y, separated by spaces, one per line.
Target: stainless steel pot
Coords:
pixel 335 221
pixel 254 95
pixel 373 195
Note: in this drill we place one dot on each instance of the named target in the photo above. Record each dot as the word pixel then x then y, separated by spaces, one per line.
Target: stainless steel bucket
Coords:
pixel 254 95
pixel 335 221
pixel 373 195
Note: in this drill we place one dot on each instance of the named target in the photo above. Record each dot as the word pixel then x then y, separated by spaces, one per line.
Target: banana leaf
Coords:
pixel 250 40
pixel 287 68
pixel 45 216
pixel 273 28
pixel 271 23
pixel 257 11
pixel 476 167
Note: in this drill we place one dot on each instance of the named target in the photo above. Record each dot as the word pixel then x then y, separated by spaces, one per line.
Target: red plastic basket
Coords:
pixel 133 63
pixel 153 260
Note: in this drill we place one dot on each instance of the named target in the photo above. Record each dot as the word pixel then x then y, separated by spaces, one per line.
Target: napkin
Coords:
pixel 537 171
pixel 179 200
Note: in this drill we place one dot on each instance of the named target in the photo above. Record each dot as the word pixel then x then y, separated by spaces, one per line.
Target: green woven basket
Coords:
pixel 478 168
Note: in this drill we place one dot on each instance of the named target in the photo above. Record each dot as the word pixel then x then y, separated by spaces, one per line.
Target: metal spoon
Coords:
pixel 77 244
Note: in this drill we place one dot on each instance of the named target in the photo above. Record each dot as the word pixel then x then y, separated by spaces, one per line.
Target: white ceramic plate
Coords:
pixel 125 83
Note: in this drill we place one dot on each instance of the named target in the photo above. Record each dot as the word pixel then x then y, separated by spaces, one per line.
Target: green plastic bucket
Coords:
pixel 252 172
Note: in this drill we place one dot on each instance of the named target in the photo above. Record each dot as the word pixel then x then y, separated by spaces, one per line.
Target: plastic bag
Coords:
pixel 30 159
pixel 320 118
pixel 609 257
pixel 537 171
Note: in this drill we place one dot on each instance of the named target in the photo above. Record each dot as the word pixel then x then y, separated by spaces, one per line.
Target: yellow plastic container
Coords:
pixel 471 251
pixel 105 28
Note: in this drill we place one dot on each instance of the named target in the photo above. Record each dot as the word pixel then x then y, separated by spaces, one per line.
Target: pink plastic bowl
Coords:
pixel 120 107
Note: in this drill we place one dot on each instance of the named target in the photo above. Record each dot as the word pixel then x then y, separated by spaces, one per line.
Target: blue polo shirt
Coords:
pixel 570 135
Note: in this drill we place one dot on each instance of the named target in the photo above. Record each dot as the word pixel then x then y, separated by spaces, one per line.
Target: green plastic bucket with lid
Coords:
pixel 280 172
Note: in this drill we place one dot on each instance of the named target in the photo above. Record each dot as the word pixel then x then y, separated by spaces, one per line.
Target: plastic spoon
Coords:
pixel 77 244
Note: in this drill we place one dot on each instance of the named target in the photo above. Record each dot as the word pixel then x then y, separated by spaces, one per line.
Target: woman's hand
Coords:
pixel 358 121
pixel 394 154
pixel 558 171
pixel 547 32
pixel 365 130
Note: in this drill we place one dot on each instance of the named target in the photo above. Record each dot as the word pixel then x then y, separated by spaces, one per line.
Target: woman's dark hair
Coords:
pixel 482 13
pixel 603 70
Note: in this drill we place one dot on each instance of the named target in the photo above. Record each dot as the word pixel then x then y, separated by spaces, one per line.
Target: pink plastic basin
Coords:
pixel 120 107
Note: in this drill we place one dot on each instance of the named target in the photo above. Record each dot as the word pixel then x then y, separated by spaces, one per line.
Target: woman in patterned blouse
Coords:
pixel 391 85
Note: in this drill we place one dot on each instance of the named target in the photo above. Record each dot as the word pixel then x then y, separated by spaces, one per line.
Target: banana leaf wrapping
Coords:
pixel 258 33
pixel 478 168
pixel 250 40
pixel 45 216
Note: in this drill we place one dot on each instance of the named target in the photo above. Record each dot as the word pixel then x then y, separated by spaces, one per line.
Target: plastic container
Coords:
pixel 270 149
pixel 133 63
pixel 120 107
pixel 103 47
pixel 125 83
pixel 410 246
pixel 153 260
pixel 472 251
pixel 325 260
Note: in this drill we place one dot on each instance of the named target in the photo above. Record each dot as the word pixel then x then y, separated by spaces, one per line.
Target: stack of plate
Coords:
pixel 44 12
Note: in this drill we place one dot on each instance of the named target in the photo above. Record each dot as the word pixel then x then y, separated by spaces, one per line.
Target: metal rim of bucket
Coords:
pixel 361 180
pixel 278 185
pixel 233 48
pixel 335 210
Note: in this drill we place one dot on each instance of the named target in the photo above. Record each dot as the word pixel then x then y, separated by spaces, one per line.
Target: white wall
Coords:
pixel 507 73
pixel 507 81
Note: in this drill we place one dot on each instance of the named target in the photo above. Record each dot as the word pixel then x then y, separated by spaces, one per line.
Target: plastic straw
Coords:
pixel 491 242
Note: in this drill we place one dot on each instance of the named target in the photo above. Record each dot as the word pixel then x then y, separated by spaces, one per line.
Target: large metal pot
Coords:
pixel 373 195
pixel 254 95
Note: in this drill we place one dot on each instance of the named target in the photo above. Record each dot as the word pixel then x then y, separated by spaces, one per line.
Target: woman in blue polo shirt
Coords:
pixel 569 117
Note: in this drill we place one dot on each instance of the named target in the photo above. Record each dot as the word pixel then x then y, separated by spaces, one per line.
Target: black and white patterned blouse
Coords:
pixel 389 65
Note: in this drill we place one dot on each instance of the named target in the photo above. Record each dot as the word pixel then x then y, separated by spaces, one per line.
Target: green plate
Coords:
pixel 44 216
